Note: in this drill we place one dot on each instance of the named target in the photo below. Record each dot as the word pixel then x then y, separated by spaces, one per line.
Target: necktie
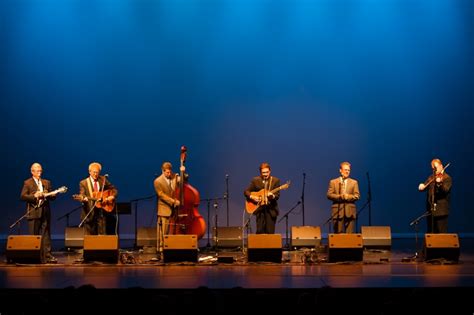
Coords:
pixel 96 186
pixel 343 187
pixel 40 185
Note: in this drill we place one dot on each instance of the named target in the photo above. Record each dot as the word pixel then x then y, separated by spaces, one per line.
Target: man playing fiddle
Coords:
pixel 438 187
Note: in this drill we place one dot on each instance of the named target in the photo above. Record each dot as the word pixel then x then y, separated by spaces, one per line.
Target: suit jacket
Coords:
pixel 27 194
pixel 256 184
pixel 86 190
pixel 339 205
pixel 442 195
pixel 166 194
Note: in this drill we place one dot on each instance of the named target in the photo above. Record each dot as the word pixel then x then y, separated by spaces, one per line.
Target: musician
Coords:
pixel 38 210
pixel 165 187
pixel 343 192
pixel 89 189
pixel 266 215
pixel 438 196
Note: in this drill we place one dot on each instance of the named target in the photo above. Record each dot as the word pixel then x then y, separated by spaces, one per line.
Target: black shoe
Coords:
pixel 52 260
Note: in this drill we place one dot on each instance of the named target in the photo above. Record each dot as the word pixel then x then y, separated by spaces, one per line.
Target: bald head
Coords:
pixel 36 170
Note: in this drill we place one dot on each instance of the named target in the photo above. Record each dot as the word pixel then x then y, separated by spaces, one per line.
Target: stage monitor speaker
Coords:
pixel 178 248
pixel 74 237
pixel 102 248
pixel 345 247
pixel 442 246
pixel 146 236
pixel 226 237
pixel 264 247
pixel 376 237
pixel 305 236
pixel 24 249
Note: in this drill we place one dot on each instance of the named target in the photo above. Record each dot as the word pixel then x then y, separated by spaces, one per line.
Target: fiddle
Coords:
pixel 440 174
pixel 438 177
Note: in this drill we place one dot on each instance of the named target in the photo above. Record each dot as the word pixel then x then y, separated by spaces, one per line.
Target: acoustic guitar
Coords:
pixel 52 193
pixel 251 206
pixel 99 199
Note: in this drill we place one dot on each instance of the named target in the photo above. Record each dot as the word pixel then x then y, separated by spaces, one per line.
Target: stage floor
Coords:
pixel 305 282
pixel 299 269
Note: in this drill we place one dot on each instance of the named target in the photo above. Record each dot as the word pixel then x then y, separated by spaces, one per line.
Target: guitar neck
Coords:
pixel 50 193
pixel 277 189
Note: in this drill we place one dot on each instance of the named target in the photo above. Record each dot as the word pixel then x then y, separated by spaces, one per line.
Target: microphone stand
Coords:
pixel 21 218
pixel 358 213
pixel 88 213
pixel 136 213
pixel 208 245
pixel 414 223
pixel 68 214
pixel 247 226
pixel 432 189
pixel 285 216
pixel 226 196
pixel 215 205
pixel 367 203
pixel 302 195
pixel 369 199
pixel 331 217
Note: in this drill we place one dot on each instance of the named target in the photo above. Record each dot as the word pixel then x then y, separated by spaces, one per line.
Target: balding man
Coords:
pixel 93 215
pixel 38 212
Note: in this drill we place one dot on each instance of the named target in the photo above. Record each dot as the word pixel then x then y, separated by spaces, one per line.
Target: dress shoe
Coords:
pixel 52 260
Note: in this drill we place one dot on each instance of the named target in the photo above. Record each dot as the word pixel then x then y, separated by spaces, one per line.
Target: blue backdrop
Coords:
pixel 303 85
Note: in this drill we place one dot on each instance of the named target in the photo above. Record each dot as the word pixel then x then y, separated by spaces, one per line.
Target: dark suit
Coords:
pixel 343 212
pixel 95 224
pixel 267 214
pixel 437 204
pixel 39 219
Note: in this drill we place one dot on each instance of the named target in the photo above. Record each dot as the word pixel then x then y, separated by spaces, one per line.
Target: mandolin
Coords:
pixel 52 193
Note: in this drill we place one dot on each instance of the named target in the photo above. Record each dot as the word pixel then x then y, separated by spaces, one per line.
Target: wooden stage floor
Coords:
pixel 383 277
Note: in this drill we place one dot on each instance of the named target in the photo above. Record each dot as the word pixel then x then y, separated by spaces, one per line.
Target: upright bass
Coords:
pixel 186 218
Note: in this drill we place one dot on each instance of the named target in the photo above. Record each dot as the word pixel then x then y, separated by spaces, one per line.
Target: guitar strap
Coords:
pixel 89 186
pixel 268 189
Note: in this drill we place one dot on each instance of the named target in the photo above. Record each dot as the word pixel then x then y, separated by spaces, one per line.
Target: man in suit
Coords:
pixel 165 187
pixel 38 212
pixel 343 192
pixel 437 198
pixel 96 185
pixel 267 213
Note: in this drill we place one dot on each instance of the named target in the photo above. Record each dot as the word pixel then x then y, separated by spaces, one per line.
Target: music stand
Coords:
pixel 124 207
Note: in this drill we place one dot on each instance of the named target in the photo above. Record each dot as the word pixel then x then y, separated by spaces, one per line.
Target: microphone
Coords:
pixel 226 175
pixel 106 175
